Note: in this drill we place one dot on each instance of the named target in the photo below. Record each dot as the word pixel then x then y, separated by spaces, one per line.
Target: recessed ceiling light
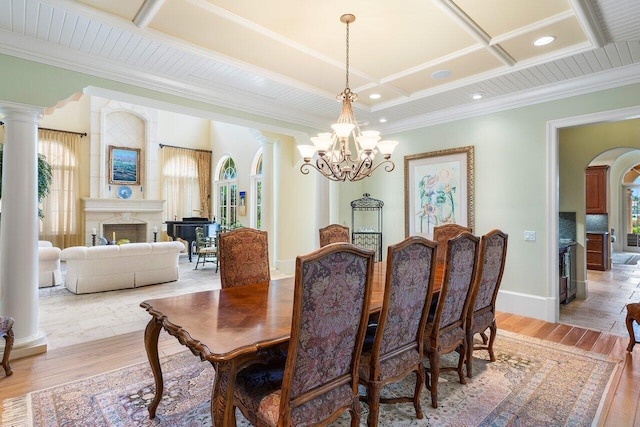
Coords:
pixel 543 41
pixel 383 120
pixel 477 95
pixel 440 74
pixel 375 96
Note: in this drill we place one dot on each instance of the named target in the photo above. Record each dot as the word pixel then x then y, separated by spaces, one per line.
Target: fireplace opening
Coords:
pixel 135 233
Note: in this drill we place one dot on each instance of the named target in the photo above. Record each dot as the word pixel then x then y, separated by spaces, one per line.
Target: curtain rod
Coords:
pixel 184 148
pixel 58 130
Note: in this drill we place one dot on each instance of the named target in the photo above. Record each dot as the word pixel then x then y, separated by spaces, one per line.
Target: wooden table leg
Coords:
pixel 633 313
pixel 151 334
pixel 222 413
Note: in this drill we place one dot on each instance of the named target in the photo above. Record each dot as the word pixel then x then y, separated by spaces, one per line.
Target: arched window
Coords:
pixel 227 193
pixel 257 193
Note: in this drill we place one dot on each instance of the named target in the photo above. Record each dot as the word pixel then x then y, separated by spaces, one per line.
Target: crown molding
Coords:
pixel 579 86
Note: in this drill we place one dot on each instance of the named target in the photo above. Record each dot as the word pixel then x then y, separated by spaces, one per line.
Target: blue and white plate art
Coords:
pixel 124 192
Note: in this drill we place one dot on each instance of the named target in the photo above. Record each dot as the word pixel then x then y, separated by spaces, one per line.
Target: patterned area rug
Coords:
pixel 532 383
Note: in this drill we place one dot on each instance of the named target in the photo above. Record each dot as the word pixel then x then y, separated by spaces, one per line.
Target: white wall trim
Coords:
pixel 527 305
pixel 553 179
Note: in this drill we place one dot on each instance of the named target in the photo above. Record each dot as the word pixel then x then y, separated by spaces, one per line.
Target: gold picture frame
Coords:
pixel 438 189
pixel 124 165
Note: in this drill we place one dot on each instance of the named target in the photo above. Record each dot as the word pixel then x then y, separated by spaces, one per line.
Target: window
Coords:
pixel 256 186
pixel 60 223
pixel 631 182
pixel 180 184
pixel 227 193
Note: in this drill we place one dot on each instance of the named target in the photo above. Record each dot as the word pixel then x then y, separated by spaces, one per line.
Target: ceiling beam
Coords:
pixel 588 22
pixel 147 12
pixel 468 24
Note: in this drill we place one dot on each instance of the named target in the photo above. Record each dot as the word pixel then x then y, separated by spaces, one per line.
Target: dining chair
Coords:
pixel 6 331
pixel 446 332
pixel 442 234
pixel 318 380
pixel 243 254
pixel 205 250
pixel 334 233
pixel 397 349
pixel 482 312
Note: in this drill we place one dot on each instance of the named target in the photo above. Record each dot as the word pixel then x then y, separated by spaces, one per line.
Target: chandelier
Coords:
pixel 338 158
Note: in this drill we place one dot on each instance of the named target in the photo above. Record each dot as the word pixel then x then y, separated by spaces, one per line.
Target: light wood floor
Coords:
pixel 73 362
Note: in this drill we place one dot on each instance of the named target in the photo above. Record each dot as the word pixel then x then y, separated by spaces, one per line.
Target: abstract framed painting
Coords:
pixel 124 165
pixel 438 189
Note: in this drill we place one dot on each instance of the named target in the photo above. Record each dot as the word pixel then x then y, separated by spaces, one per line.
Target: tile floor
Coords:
pixel 70 319
pixel 608 294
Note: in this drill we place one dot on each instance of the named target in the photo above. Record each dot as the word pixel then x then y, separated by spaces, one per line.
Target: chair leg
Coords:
pixel 7 352
pixel 355 413
pixel 434 366
pixel 492 337
pixel 462 352
pixel 373 399
pixel 416 394
pixel 469 353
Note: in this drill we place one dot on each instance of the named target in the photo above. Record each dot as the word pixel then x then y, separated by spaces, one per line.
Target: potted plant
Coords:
pixel 45 178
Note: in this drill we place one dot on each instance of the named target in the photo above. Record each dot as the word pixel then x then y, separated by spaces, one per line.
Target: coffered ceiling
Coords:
pixel 285 59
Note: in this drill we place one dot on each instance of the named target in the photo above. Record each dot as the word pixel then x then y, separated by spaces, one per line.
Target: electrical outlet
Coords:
pixel 530 236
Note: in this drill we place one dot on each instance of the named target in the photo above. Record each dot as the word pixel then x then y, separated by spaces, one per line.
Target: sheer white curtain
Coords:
pixel 180 186
pixel 63 217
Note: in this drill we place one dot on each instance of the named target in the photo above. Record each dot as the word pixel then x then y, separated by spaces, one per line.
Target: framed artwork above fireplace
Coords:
pixel 124 165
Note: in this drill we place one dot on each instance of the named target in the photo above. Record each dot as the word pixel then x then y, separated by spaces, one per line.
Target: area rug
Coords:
pixel 532 383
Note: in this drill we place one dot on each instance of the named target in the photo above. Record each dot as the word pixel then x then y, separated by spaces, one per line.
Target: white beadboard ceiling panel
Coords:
pixel 286 59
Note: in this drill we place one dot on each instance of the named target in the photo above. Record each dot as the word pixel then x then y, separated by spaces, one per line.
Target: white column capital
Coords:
pixel 20 112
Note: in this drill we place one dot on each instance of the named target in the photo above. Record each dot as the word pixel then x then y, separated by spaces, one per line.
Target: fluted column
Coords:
pixel 19 228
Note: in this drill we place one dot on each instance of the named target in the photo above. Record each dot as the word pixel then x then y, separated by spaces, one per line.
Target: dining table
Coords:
pixel 231 328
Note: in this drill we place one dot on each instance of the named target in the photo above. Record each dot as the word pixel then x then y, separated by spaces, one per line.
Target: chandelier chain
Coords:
pixel 347 56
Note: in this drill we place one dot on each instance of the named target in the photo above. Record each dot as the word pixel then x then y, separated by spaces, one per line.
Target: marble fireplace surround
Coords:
pixel 135 219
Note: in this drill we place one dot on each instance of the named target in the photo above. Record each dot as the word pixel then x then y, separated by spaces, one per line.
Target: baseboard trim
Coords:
pixel 527 305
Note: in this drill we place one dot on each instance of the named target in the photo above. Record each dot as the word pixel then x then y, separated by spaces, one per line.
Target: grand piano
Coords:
pixel 186 229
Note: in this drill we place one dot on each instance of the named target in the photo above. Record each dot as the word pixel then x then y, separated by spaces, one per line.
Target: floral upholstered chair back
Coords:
pixel 456 289
pixel 334 233
pixel 482 312
pixel 330 312
pixel 243 255
pixel 398 342
pixel 493 252
pixel 442 234
pixel 409 284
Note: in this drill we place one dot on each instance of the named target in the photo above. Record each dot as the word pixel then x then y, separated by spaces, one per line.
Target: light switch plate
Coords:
pixel 530 236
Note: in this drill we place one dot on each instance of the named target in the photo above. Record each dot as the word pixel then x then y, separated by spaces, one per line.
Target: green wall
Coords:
pixel 510 165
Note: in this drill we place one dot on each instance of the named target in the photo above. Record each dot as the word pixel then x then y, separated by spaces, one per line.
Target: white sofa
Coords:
pixel 49 273
pixel 107 268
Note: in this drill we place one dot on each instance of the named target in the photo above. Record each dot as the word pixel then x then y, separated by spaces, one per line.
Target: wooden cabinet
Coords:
pixel 596 184
pixel 598 251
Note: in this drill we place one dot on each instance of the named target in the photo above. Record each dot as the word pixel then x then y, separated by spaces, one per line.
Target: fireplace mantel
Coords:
pixel 122 205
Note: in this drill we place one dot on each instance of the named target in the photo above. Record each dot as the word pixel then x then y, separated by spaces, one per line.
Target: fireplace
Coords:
pixel 135 220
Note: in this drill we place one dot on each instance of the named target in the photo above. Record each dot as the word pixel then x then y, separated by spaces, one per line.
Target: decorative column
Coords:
pixel 268 188
pixel 19 228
